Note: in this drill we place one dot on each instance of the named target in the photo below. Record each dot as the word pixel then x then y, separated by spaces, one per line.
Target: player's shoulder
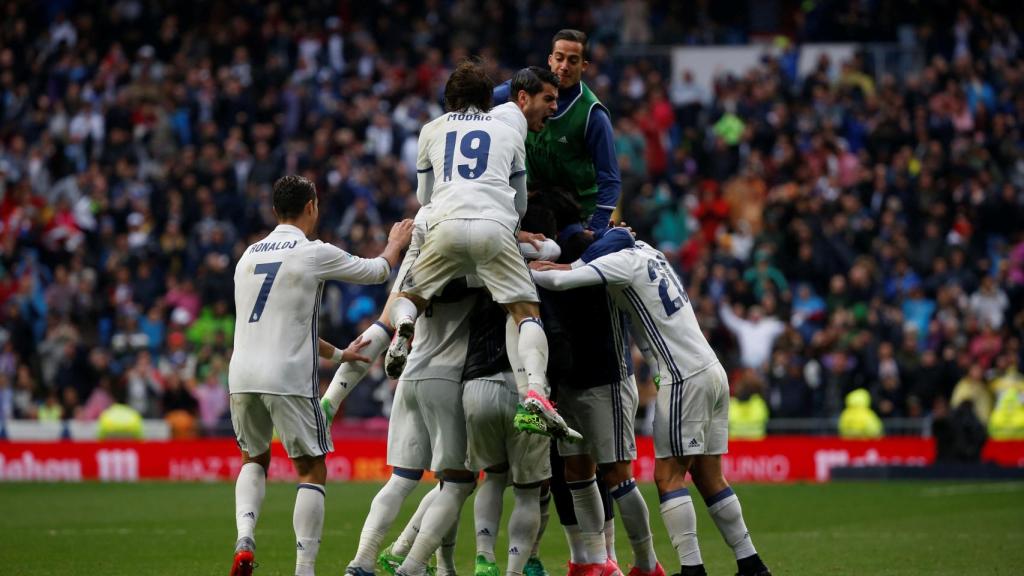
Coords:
pixel 431 127
pixel 510 114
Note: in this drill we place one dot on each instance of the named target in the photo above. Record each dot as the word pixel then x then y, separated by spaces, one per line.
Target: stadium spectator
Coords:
pixel 134 166
pixel 755 334
pixel 972 389
pixel 857 419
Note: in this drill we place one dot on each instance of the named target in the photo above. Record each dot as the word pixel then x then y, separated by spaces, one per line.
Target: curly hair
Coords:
pixel 469 86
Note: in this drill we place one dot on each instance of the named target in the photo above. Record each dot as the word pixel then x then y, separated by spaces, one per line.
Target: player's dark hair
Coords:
pixel 571 35
pixel 291 193
pixel 469 86
pixel 532 79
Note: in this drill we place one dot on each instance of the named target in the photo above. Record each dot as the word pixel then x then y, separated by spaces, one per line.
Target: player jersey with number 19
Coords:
pixel 278 282
pixel 473 155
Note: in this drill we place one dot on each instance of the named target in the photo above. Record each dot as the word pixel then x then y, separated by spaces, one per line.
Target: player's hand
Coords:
pixel 352 353
pixel 542 265
pixel 401 233
pixel 537 240
pixel 627 227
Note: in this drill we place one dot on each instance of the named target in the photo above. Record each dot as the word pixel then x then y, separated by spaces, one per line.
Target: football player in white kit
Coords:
pixel 691 425
pixel 273 373
pixel 421 433
pixel 426 429
pixel 472 169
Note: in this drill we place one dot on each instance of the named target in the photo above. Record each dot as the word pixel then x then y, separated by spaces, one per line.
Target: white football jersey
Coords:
pixel 473 157
pixel 278 283
pixel 644 285
pixel 442 340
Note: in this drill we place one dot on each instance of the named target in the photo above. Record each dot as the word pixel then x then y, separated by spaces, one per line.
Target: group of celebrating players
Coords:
pixel 491 350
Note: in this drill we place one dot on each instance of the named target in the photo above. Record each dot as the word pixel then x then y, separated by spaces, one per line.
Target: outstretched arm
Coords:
pixel 562 277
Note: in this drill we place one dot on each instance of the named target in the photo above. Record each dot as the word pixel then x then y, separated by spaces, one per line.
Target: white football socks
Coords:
pixel 437 521
pixel 250 487
pixel 533 351
pixel 308 521
pixel 681 523
pixel 577 547
pixel 412 528
pixel 383 511
pixel 586 500
pixel 522 528
pixel 609 540
pixel 727 513
pixel 545 514
pixel 636 519
pixel 446 553
pixel 487 505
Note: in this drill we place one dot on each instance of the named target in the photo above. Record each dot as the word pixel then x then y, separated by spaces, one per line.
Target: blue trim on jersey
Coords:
pixel 318 415
pixel 709 502
pixel 627 357
pixel 599 273
pixel 517 174
pixel 652 330
pixel 675 423
pixel 316 341
pixel 407 473
pixel 310 487
pixel 624 488
pixel 321 424
pixel 675 420
pixel 673 494
pixel 616 394
pixel 424 170
pixel 390 332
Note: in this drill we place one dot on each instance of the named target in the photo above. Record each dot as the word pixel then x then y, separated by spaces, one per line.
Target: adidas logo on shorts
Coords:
pixel 693 443
pixel 513 551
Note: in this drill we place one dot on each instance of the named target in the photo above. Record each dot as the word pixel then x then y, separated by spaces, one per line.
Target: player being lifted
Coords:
pixel 576 153
pixel 471 168
pixel 420 433
pixel 691 425
pixel 273 374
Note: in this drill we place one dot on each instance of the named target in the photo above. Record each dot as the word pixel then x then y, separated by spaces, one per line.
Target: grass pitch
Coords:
pixel 875 528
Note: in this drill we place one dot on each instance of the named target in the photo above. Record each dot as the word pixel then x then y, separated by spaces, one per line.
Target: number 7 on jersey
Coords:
pixel 270 269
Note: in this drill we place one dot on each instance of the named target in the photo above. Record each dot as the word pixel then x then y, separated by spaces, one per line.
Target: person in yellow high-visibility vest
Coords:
pixel 1007 419
pixel 858 420
pixel 748 416
pixel 119 421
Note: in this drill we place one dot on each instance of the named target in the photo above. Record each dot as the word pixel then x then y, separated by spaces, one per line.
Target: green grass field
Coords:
pixel 188 529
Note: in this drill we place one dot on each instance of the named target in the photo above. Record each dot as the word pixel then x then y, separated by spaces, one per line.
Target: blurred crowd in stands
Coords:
pixel 836 231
